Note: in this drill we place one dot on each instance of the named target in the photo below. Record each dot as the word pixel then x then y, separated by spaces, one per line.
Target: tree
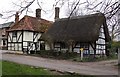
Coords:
pixel 1 15
pixel 108 7
pixel 24 7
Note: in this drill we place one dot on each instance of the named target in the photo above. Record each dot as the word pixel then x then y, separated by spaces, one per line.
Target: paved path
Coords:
pixel 87 68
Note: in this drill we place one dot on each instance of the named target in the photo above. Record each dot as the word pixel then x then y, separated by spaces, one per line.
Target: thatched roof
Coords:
pixel 81 28
pixel 31 24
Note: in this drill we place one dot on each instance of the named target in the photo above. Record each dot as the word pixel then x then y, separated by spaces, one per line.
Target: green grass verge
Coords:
pixel 119 65
pixel 11 68
pixel 0 68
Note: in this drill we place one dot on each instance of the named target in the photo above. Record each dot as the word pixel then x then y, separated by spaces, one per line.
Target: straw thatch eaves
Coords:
pixel 82 28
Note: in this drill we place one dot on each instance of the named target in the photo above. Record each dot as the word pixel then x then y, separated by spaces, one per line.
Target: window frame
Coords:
pixel 14 34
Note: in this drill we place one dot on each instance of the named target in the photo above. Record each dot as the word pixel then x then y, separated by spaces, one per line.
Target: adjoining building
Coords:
pixel 25 34
pixel 3 34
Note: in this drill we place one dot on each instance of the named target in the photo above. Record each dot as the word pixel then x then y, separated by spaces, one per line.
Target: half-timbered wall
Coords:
pixel 60 46
pixel 97 47
pixel 100 44
pixel 27 39
pixel 76 48
pixel 91 48
pixel 15 40
pixel 79 45
pixel 57 46
pixel 30 40
pixel 23 40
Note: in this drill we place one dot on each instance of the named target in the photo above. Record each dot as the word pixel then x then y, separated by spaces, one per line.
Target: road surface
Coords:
pixel 86 68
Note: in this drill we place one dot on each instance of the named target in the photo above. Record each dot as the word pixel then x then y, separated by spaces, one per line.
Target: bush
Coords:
pixel 56 54
pixel 72 56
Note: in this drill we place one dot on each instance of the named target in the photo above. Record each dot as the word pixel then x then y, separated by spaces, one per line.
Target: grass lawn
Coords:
pixel 119 65
pixel 11 68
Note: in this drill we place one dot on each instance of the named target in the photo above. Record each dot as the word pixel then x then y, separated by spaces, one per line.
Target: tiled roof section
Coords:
pixel 31 24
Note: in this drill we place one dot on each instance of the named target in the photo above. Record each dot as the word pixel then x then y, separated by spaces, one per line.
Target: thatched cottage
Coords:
pixel 89 32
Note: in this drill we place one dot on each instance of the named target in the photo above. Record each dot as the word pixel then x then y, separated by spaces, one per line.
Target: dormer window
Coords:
pixel 14 34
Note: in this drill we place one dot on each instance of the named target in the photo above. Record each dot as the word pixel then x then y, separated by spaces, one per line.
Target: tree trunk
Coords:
pixel 118 62
pixel 51 46
pixel 107 51
pixel 70 48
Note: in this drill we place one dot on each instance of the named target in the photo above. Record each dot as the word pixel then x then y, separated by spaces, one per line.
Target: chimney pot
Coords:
pixel 16 17
pixel 38 13
pixel 57 10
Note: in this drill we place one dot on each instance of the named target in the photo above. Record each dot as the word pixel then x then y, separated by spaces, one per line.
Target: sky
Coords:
pixel 8 5
pixel 47 6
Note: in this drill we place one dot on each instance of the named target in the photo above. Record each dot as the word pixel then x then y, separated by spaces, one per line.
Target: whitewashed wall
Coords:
pixel 47 46
pixel 91 49
pixel 27 36
pixel 14 44
pixel 19 34
pixel 100 49
pixel 38 37
pixel 77 49
pixel 9 40
pixel 10 36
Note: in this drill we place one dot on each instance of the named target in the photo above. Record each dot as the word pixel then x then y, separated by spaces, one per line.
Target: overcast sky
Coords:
pixel 47 5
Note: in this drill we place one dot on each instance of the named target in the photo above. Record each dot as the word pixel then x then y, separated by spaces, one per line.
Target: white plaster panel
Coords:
pixel 10 36
pixel 14 39
pixel 19 36
pixel 24 43
pixel 27 36
pixel 47 47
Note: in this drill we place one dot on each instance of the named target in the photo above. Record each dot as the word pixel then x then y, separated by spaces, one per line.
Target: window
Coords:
pixel 14 34
pixel 3 35
pixel 4 43
pixel 84 45
pixel 57 44
pixel 28 43
pixel 63 45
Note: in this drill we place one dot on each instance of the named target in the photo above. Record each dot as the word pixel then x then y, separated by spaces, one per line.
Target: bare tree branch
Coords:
pixel 30 3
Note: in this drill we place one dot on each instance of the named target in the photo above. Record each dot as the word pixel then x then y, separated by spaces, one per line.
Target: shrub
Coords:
pixel 56 54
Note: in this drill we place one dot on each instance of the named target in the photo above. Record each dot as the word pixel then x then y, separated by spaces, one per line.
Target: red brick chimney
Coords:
pixel 38 13
pixel 57 10
pixel 16 17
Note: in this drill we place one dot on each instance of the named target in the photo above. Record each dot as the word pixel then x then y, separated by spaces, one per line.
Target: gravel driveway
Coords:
pixel 87 68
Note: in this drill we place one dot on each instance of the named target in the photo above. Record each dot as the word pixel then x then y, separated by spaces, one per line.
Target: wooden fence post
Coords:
pixel 119 56
pixel 118 62
pixel 0 68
